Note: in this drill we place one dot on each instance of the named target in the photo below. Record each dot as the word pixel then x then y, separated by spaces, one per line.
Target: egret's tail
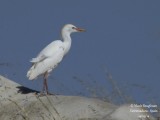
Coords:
pixel 32 74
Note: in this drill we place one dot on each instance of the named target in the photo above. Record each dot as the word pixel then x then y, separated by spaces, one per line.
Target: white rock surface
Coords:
pixel 20 103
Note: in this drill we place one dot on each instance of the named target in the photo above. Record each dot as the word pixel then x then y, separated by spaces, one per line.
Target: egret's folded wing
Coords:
pixel 38 59
pixel 48 51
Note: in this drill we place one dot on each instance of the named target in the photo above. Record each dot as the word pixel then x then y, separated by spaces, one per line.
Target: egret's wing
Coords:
pixel 48 51
pixel 46 60
pixel 38 58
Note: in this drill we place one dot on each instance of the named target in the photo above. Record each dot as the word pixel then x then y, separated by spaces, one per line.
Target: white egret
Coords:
pixel 52 55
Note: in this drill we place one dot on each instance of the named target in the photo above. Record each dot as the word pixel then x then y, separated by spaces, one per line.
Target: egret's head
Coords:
pixel 71 28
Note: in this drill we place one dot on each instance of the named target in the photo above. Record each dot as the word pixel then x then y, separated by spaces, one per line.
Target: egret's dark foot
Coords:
pixel 49 93
pixel 44 94
pixel 41 94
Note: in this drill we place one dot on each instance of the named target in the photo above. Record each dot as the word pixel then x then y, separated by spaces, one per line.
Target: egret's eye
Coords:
pixel 73 27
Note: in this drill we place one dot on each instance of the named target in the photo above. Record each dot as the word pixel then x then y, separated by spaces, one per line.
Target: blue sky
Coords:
pixel 122 36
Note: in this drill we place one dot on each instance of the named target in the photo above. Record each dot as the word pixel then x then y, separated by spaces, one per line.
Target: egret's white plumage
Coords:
pixel 52 55
pixel 46 60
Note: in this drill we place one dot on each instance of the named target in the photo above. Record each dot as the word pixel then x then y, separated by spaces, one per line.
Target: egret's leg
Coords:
pixel 43 90
pixel 44 86
pixel 45 82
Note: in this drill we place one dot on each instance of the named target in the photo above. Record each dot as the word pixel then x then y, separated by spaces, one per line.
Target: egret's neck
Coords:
pixel 66 38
